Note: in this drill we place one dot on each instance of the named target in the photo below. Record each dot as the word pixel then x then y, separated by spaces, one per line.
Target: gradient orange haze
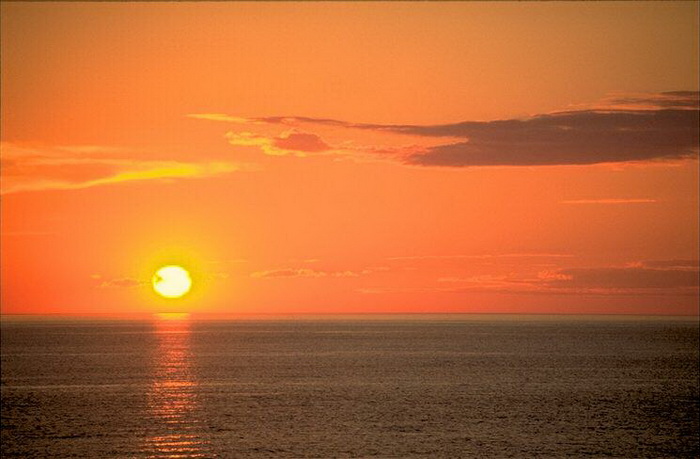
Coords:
pixel 351 157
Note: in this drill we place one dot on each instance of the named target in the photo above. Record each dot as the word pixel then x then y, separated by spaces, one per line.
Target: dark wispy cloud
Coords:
pixel 571 138
pixel 633 277
pixel 671 264
pixel 625 128
pixel 670 99
pixel 655 277
pixel 639 278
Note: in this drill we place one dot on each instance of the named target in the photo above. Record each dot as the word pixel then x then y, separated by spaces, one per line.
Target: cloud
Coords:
pixel 621 129
pixel 300 141
pixel 124 282
pixel 483 256
pixel 292 142
pixel 306 272
pixel 219 117
pixel 623 278
pixel 684 100
pixel 609 201
pixel 28 169
pixel 401 290
pixel 671 264
pixel 571 138
pixel 638 278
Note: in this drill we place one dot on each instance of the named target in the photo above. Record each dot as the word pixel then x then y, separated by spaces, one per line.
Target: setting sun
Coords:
pixel 322 229
pixel 172 281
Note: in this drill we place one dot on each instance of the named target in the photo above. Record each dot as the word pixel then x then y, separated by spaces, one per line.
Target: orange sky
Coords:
pixel 351 157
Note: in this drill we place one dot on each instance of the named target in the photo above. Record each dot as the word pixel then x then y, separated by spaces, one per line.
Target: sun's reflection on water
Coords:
pixel 177 429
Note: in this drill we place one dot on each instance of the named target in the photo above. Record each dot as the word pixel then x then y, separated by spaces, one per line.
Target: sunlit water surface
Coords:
pixel 426 387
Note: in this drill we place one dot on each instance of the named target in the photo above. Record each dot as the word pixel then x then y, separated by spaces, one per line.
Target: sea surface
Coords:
pixel 421 386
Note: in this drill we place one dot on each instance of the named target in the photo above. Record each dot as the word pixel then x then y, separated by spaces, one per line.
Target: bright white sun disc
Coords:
pixel 172 281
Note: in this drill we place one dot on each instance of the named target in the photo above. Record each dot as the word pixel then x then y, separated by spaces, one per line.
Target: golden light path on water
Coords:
pixel 173 404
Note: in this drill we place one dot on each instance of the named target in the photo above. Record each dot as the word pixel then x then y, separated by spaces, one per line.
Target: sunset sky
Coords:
pixel 351 157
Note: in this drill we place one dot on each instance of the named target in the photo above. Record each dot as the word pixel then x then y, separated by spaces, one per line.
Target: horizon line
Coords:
pixel 330 315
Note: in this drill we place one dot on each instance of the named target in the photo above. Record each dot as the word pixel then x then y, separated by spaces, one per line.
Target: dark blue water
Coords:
pixel 457 387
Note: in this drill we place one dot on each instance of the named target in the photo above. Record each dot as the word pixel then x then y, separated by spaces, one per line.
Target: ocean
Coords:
pixel 394 386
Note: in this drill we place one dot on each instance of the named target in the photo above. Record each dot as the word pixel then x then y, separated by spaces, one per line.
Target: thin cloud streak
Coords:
pixel 661 277
pixel 123 282
pixel 305 272
pixel 67 169
pixel 633 279
pixel 219 117
pixel 684 100
pixel 483 256
pixel 670 264
pixel 609 201
pixel 309 272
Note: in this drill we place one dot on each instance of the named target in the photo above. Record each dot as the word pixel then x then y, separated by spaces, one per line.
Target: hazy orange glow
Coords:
pixel 351 157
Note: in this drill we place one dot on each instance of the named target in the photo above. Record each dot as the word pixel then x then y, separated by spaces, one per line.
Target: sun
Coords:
pixel 172 281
